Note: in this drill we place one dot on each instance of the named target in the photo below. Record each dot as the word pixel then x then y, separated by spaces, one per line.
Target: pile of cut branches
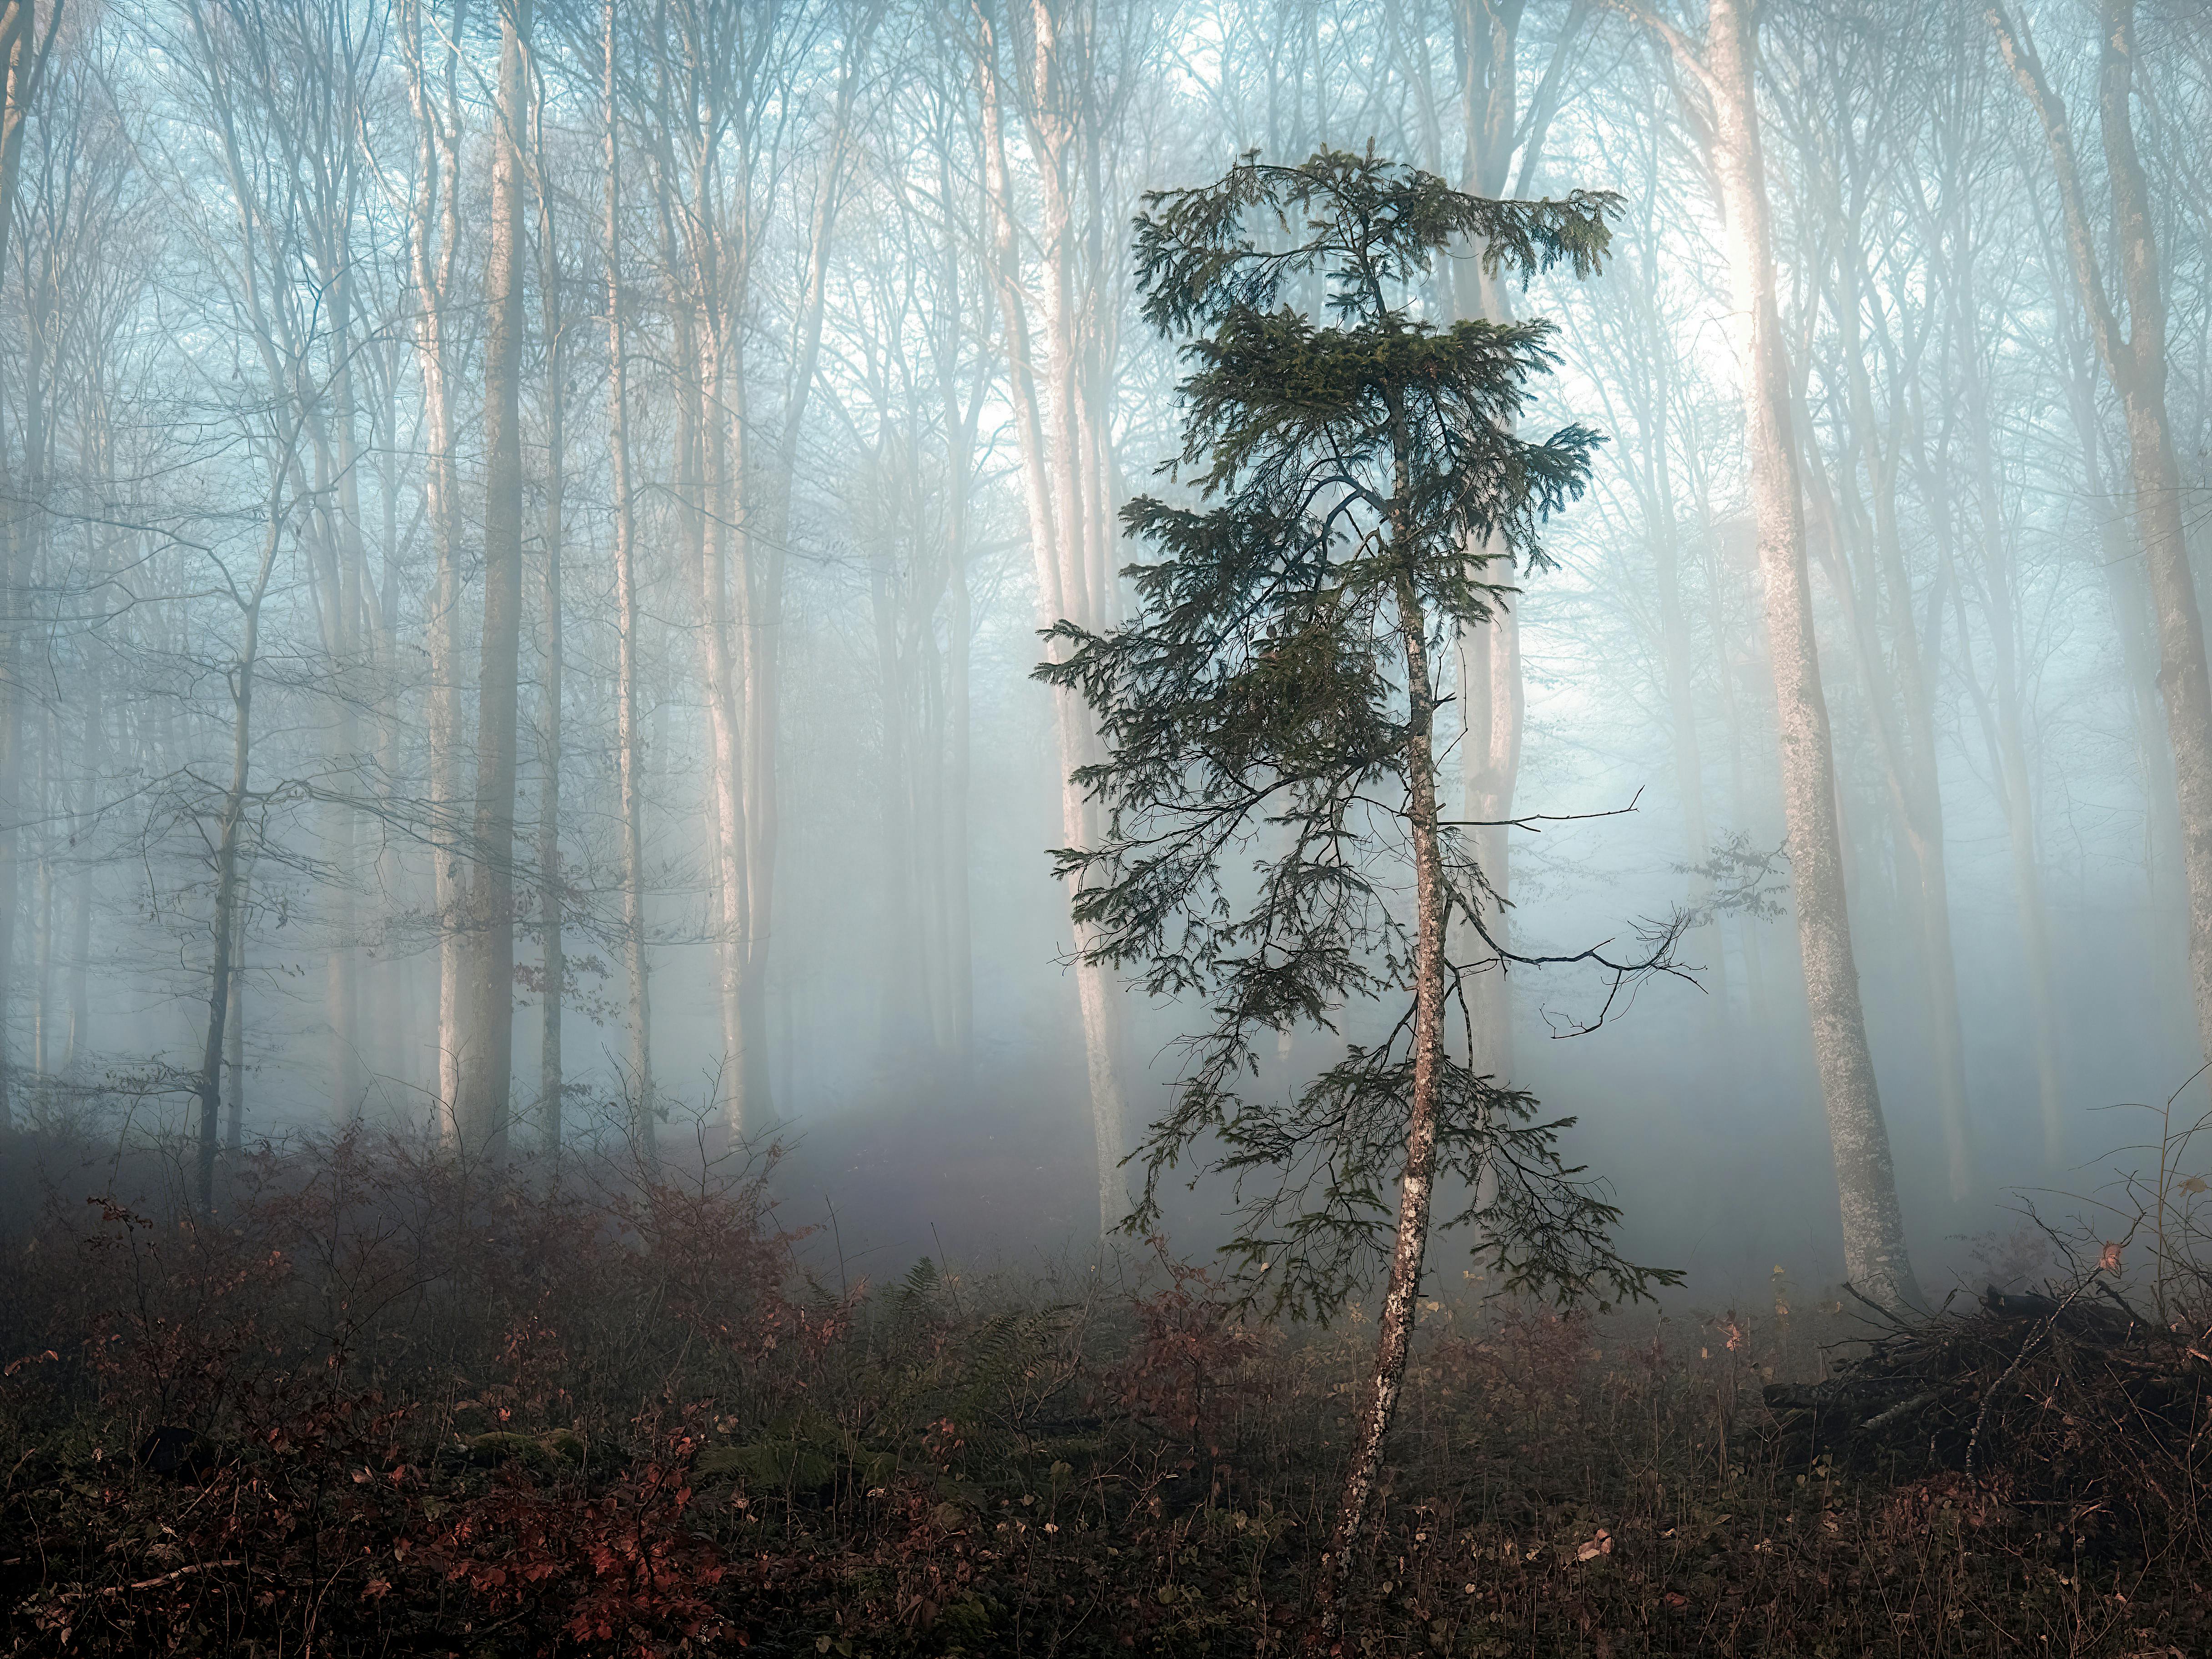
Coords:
pixel 2071 1401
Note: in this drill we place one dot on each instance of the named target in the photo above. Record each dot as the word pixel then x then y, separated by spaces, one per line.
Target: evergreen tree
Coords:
pixel 1274 845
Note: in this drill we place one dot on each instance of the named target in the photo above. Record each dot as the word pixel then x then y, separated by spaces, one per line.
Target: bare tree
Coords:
pixel 2134 363
pixel 1873 1228
pixel 487 1038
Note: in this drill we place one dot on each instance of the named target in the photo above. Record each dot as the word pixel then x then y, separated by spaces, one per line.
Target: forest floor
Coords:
pixel 379 1408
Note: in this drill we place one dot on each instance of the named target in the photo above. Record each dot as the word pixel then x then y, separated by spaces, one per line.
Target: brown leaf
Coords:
pixel 2110 1261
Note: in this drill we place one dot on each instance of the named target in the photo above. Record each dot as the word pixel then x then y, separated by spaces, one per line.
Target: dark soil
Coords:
pixel 380 1407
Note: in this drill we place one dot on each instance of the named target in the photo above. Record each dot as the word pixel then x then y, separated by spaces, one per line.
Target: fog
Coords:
pixel 629 455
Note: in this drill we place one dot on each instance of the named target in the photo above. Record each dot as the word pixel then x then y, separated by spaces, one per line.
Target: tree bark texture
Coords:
pixel 2134 363
pixel 486 1043
pixel 1873 1222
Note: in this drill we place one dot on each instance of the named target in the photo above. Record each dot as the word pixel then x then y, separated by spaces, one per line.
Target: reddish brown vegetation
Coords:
pixel 421 1414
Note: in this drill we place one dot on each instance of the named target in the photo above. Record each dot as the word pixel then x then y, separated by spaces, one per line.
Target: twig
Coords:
pixel 169 1578
pixel 1974 1440
pixel 1863 1297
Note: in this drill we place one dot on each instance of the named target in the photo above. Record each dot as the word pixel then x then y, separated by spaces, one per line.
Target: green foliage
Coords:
pixel 1353 485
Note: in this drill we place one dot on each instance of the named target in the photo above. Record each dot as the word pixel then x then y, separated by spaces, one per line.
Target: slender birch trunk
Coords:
pixel 1395 1324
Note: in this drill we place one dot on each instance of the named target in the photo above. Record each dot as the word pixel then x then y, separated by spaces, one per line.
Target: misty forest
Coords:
pixel 959 827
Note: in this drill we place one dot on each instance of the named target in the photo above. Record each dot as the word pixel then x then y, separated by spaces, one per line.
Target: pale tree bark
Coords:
pixel 554 954
pixel 2135 364
pixel 24 49
pixel 1492 695
pixel 1849 173
pixel 487 1043
pixel 708 72
pixel 1873 1222
pixel 629 734
pixel 392 1010
pixel 762 535
pixel 23 529
pixel 330 120
pixel 434 237
pixel 1052 477
pixel 1897 676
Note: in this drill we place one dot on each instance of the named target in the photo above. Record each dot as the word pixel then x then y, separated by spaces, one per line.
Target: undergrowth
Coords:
pixel 381 1407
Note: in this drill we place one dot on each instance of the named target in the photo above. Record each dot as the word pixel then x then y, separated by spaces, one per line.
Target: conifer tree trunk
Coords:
pixel 1394 1323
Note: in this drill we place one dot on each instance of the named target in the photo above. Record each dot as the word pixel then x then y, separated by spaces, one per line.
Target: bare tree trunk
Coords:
pixel 725 641
pixel 629 734
pixel 2015 781
pixel 1873 1224
pixel 234 1126
pixel 761 563
pixel 1899 687
pixel 343 637
pixel 23 529
pixel 42 1008
pixel 487 1040
pixel 434 235
pixel 549 873
pixel 1052 489
pixel 229 877
pixel 23 53
pixel 80 947
pixel 2134 363
pixel 958 966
